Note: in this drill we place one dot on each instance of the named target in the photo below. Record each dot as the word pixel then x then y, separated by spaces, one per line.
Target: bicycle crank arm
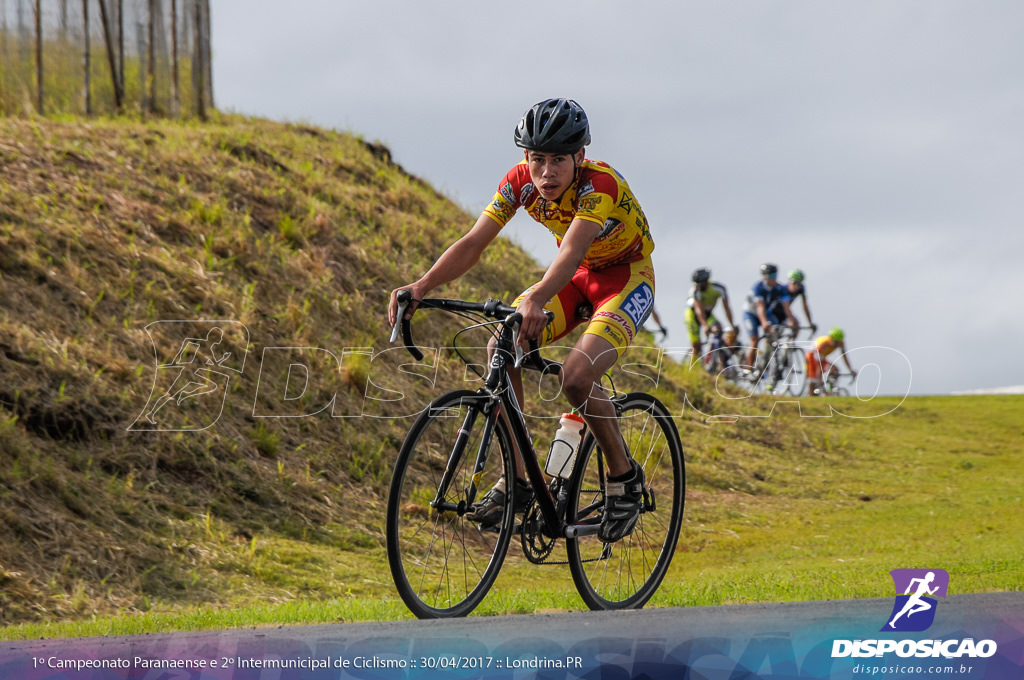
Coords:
pixel 461 507
pixel 577 530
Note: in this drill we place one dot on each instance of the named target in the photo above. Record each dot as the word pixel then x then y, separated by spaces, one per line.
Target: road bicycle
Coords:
pixel 766 375
pixel 791 360
pixel 444 562
pixel 722 358
pixel 781 367
pixel 831 383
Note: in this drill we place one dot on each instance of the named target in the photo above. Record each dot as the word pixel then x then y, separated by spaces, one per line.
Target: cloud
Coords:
pixel 876 146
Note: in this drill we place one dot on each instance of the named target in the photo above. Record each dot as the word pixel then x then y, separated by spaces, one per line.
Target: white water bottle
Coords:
pixel 562 453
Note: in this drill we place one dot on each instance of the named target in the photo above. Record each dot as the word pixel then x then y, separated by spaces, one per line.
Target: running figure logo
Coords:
pixel 914 610
pixel 195 378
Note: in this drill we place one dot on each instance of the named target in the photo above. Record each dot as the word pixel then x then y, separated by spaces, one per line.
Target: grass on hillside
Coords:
pixel 108 228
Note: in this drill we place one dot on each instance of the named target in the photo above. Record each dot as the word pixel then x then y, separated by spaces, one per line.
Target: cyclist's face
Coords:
pixel 770 280
pixel 552 173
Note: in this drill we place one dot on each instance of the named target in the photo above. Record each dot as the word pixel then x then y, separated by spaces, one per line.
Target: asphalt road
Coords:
pixel 775 640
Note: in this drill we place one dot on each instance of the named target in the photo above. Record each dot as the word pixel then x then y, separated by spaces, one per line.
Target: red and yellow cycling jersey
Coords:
pixel 816 364
pixel 599 194
pixel 825 345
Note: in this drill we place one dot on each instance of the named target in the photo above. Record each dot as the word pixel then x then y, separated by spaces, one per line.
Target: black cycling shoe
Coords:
pixel 488 510
pixel 622 503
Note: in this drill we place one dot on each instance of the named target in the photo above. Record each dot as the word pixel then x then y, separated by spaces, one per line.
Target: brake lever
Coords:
pixel 402 306
pixel 520 353
pixel 516 324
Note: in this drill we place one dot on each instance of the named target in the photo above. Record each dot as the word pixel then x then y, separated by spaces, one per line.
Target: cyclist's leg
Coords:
pixel 712 355
pixel 772 321
pixel 693 329
pixel 623 298
pixel 590 359
pixel 813 373
pixel 754 332
pixel 829 377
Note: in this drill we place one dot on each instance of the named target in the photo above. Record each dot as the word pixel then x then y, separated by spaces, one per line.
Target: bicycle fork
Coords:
pixel 458 450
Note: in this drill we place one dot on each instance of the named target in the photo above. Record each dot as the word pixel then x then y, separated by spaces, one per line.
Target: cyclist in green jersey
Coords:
pixel 701 301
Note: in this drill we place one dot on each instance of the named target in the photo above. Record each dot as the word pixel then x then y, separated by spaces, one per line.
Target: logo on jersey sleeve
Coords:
pixel 508 193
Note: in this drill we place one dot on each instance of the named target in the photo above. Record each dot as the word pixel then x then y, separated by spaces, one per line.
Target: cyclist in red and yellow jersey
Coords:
pixel 603 263
pixel 817 366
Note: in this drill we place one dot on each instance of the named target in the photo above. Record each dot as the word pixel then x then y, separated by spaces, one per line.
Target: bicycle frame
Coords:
pixel 501 397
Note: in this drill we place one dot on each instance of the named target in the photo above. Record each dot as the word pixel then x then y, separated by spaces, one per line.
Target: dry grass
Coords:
pixel 109 226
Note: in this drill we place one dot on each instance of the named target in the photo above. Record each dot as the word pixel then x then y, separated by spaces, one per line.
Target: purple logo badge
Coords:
pixel 914 609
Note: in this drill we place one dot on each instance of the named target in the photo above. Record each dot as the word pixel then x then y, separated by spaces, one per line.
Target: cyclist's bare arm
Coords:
pixel 790 319
pixel 577 240
pixel 698 311
pixel 728 311
pixel 807 311
pixel 458 259
pixel 761 316
pixel 846 359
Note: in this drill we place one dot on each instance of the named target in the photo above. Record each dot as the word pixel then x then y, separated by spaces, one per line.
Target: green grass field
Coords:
pixel 934 484
pixel 107 226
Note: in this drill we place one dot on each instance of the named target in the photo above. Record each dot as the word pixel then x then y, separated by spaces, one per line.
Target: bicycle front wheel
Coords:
pixel 625 574
pixel 795 371
pixel 443 562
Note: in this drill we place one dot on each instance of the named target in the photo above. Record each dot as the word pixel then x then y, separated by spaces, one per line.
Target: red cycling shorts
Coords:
pixel 621 297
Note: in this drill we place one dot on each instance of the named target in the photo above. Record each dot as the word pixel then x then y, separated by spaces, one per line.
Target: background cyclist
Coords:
pixel 818 367
pixel 796 288
pixel 758 315
pixel 661 327
pixel 604 258
pixel 700 307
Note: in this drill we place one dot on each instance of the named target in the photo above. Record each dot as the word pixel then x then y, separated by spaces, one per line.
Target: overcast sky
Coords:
pixel 877 145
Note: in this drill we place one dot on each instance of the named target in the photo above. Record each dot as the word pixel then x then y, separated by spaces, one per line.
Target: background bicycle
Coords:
pixel 832 385
pixel 722 355
pixel 792 361
pixel 780 366
pixel 444 560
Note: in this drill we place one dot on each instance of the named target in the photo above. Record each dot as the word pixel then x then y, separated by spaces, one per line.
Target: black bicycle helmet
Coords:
pixel 768 269
pixel 554 126
pixel 701 275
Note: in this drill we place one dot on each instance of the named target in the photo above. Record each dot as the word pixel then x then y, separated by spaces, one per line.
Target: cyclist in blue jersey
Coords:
pixel 758 315
pixel 796 288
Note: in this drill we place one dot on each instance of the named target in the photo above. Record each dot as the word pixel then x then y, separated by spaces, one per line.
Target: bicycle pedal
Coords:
pixel 650 502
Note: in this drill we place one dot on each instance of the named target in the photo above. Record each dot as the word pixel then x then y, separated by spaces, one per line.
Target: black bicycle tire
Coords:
pixel 795 359
pixel 398 508
pixel 637 402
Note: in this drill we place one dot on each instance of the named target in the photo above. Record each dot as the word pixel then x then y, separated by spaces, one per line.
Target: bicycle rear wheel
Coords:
pixel 443 563
pixel 625 574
